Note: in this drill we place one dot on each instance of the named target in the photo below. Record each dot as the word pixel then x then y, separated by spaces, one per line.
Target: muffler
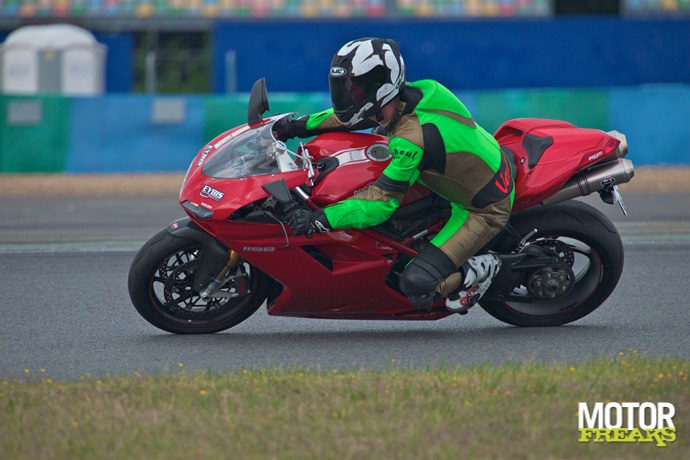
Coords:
pixel 603 176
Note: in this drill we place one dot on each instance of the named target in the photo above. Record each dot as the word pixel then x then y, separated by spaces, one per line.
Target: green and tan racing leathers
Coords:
pixel 434 140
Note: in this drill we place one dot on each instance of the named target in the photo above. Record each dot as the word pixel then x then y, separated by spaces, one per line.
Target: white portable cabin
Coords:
pixel 58 58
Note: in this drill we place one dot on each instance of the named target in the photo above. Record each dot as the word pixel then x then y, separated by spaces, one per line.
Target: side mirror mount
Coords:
pixel 258 102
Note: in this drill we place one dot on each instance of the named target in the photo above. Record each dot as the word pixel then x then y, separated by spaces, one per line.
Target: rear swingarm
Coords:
pixel 514 269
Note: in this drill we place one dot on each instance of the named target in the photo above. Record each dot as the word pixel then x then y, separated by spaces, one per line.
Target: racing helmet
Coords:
pixel 365 75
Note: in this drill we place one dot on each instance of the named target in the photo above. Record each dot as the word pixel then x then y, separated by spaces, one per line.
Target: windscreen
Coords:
pixel 254 152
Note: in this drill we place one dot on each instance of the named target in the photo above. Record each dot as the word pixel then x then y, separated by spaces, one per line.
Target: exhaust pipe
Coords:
pixel 600 177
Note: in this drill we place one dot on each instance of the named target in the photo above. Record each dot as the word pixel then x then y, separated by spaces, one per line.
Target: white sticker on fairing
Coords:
pixel 212 193
pixel 204 154
pixel 227 139
pixel 347 157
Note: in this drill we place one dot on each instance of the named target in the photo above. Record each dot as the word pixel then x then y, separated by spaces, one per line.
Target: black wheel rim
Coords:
pixel 173 295
pixel 588 269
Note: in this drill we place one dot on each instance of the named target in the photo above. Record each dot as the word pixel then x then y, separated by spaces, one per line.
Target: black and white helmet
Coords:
pixel 365 75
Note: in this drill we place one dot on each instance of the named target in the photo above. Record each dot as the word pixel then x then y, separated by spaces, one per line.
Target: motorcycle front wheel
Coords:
pixel 161 288
pixel 584 239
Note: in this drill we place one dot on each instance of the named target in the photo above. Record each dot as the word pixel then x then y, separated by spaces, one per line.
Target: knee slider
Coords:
pixel 426 271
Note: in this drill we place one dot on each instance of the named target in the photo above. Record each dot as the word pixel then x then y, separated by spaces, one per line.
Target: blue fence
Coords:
pixel 607 73
pixel 474 55
pixel 656 120
pixel 130 133
pixel 121 134
pixel 294 55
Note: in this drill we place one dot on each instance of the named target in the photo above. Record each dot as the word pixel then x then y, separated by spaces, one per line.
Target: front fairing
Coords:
pixel 228 173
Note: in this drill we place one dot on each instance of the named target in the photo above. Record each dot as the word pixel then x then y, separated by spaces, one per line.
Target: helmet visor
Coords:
pixel 350 94
pixel 346 93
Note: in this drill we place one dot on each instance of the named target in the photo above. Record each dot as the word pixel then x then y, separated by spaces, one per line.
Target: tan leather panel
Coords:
pixel 468 175
pixel 478 229
pixel 409 128
pixel 459 118
pixel 331 122
pixel 374 193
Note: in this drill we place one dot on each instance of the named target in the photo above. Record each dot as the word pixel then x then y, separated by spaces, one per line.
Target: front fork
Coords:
pixel 214 286
pixel 214 254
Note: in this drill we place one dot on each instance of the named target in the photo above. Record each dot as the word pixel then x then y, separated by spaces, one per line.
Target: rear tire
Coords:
pixel 160 287
pixel 598 253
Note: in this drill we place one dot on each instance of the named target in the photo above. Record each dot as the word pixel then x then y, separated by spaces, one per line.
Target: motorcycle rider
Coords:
pixel 433 140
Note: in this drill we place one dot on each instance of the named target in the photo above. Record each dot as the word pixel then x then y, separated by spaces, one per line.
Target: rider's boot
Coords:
pixel 479 272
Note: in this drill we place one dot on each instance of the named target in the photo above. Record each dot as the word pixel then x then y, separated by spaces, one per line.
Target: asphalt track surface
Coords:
pixel 65 306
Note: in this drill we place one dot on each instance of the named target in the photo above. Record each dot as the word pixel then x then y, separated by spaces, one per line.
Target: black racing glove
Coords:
pixel 304 222
pixel 284 129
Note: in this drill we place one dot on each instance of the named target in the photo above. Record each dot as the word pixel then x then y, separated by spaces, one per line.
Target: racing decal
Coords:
pixel 596 156
pixel 497 189
pixel 259 248
pixel 212 193
pixel 351 156
pixel 503 182
pixel 204 155
pixel 227 139
pixel 223 141
pixel 404 153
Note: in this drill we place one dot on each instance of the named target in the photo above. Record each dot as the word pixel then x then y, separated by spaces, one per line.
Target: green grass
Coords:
pixel 507 411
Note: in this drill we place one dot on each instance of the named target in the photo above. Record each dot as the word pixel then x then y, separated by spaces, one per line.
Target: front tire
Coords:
pixel 595 251
pixel 161 289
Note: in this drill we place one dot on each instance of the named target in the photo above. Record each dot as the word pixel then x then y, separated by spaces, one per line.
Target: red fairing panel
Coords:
pixel 547 153
pixel 362 159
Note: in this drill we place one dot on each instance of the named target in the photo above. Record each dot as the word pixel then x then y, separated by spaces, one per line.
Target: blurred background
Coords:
pixel 110 86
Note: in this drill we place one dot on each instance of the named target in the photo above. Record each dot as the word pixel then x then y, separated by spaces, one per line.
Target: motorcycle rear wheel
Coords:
pixel 161 289
pixel 596 255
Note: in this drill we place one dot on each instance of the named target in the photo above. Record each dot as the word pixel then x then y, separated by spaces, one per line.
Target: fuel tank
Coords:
pixel 361 160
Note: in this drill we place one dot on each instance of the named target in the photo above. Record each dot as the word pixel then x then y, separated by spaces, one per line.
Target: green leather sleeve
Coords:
pixel 379 201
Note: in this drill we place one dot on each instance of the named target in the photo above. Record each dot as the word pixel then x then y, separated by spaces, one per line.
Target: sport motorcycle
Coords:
pixel 209 271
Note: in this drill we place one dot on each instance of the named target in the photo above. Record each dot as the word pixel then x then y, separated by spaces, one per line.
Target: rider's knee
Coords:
pixel 421 277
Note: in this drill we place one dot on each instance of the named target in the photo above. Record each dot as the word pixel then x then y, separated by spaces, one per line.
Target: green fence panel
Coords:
pixel 44 133
pixel 583 108
pixel 223 113
pixel 34 134
pixel 226 112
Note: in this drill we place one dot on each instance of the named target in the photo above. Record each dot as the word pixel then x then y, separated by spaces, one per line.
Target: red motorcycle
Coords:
pixel 205 273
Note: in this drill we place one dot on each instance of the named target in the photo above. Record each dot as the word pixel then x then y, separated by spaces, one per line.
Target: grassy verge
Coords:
pixel 506 411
